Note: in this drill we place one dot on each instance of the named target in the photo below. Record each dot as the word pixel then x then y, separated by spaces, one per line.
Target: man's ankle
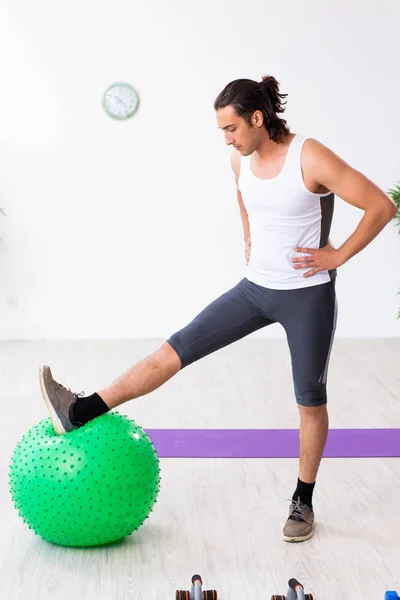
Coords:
pixel 88 408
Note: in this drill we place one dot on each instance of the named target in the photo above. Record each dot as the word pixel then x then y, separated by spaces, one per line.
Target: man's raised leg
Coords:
pixel 227 319
pixel 69 411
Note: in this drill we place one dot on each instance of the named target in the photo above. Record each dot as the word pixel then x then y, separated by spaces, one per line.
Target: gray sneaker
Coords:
pixel 59 401
pixel 300 524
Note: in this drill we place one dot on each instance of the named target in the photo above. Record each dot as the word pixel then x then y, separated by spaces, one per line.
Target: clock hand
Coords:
pixel 119 100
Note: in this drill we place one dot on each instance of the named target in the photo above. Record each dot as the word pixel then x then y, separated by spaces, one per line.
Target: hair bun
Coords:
pixel 269 80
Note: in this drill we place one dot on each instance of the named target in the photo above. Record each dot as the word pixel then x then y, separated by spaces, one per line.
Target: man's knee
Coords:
pixel 168 355
pixel 312 412
pixel 311 395
pixel 176 344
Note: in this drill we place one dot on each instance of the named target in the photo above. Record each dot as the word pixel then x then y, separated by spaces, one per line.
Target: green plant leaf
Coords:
pixel 394 193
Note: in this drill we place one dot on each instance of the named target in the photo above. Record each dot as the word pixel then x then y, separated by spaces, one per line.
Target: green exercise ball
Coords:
pixel 92 486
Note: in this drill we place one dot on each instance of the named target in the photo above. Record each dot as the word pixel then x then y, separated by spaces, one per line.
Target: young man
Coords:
pixel 286 185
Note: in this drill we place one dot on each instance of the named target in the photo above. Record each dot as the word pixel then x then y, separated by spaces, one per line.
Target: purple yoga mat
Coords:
pixel 270 443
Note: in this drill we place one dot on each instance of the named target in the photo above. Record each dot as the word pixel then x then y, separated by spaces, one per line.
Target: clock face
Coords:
pixel 120 101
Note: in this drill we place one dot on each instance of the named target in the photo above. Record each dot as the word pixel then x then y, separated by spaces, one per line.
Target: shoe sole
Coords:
pixel 302 538
pixel 58 426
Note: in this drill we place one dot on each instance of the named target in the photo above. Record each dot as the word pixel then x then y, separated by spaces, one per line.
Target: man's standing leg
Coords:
pixel 314 423
pixel 310 323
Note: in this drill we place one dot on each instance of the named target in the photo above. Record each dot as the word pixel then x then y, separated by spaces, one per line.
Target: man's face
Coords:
pixel 237 132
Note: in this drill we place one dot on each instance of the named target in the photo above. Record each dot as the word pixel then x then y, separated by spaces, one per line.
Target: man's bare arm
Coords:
pixel 235 163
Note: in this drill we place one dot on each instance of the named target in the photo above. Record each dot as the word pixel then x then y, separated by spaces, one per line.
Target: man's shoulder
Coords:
pixel 235 162
pixel 313 148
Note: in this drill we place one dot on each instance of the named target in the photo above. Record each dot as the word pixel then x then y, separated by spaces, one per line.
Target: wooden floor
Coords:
pixel 220 518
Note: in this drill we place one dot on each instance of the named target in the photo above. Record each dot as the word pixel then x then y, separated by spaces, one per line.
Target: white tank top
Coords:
pixel 283 215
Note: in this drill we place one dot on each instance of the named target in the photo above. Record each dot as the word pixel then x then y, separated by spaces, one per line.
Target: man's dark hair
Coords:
pixel 246 96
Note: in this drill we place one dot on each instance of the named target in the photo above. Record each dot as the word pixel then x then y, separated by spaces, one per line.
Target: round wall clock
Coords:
pixel 120 101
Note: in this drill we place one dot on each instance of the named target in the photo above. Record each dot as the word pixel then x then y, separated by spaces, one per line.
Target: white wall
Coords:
pixel 127 230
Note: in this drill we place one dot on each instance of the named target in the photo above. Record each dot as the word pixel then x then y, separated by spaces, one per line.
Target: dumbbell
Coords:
pixel 295 591
pixel 196 593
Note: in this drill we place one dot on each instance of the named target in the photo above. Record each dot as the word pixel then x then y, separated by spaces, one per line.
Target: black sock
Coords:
pixel 88 408
pixel 304 491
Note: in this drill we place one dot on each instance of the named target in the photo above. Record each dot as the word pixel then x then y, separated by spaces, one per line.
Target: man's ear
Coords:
pixel 257 118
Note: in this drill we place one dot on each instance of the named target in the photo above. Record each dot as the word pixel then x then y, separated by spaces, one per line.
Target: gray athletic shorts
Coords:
pixel 307 314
